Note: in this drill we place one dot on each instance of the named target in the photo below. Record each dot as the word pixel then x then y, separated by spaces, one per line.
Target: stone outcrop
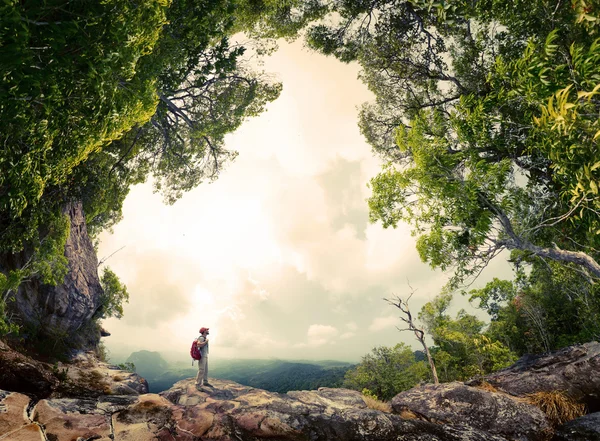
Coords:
pixel 495 412
pixel 84 376
pixel 227 411
pixel 23 374
pixel 574 370
pixel 114 405
pixel 66 308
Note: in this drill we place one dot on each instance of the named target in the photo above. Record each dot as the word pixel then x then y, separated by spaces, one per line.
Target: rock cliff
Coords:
pixel 64 309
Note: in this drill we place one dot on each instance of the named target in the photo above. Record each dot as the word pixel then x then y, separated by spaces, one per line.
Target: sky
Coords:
pixel 277 257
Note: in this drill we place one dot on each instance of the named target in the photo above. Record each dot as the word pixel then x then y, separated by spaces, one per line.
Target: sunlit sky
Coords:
pixel 276 257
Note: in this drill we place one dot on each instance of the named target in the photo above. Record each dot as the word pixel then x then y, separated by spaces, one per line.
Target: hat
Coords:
pixel 203 330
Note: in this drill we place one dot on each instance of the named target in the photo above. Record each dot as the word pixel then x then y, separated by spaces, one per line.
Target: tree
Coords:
pixel 113 297
pixel 70 85
pixel 548 308
pixel 387 371
pixel 95 99
pixel 477 113
pixel 462 348
pixel 407 318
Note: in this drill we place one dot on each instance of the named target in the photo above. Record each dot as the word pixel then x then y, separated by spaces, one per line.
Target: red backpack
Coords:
pixel 195 351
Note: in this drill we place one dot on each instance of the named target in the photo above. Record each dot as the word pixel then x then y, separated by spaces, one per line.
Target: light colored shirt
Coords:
pixel 203 349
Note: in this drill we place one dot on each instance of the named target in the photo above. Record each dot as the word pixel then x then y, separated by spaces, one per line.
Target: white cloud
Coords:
pixel 277 256
pixel 319 335
pixel 382 323
pixel 257 290
pixel 321 331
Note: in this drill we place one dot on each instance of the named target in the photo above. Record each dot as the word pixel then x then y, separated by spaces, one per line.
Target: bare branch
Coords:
pixel 402 305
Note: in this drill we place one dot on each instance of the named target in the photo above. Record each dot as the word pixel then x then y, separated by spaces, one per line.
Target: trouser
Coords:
pixel 202 375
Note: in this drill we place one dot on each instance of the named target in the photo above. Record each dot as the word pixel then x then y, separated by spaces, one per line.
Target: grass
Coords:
pixel 558 406
pixel 373 403
pixel 484 385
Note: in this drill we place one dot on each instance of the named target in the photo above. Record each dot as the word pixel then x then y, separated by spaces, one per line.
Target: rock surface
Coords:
pixel 84 376
pixel 19 373
pixel 574 370
pixel 68 307
pixel 227 411
pixel 455 403
pixel 586 428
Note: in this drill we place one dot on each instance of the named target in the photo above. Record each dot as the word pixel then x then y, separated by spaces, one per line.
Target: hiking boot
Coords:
pixel 208 384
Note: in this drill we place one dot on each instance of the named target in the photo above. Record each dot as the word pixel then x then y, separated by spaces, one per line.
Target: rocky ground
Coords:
pixel 117 407
pixel 226 411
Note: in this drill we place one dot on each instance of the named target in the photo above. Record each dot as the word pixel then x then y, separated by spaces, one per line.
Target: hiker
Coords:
pixel 202 376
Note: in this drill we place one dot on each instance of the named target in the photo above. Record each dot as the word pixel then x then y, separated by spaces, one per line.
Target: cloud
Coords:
pixel 157 293
pixel 382 323
pixel 277 256
pixel 319 335
pixel 261 293
pixel 234 338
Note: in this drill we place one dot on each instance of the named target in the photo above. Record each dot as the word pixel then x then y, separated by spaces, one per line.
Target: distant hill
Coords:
pixel 282 376
pixel 272 375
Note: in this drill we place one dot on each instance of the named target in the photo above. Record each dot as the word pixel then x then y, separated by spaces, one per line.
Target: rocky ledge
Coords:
pixel 83 376
pixel 117 408
pixel 226 411
pixel 229 411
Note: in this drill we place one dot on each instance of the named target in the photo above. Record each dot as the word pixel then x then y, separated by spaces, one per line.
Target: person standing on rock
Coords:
pixel 202 376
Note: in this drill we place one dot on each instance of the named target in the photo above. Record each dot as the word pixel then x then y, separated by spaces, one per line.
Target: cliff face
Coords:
pixel 64 309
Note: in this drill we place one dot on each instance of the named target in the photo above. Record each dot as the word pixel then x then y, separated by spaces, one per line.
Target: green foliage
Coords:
pixel 96 98
pixel 280 376
pixel 509 161
pixel 115 293
pixel 46 262
pixel 61 374
pixel 127 366
pixel 551 307
pixel 386 371
pixel 102 352
pixel 462 348
pixel 494 296
pixel 7 327
pixel 70 85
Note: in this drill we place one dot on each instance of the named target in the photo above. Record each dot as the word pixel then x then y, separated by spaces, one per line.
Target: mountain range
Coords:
pixel 273 374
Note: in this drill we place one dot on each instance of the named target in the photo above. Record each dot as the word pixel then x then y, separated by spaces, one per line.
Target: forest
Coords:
pixel 486 117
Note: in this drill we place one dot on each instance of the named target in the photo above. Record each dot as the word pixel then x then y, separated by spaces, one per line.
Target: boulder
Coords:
pixel 573 370
pixel 585 428
pixel 458 404
pixel 13 415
